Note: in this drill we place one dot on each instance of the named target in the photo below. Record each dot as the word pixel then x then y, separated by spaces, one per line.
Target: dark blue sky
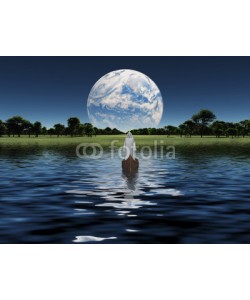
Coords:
pixel 52 89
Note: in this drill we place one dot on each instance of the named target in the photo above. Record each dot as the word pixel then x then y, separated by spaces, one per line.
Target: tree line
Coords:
pixel 17 126
pixel 202 123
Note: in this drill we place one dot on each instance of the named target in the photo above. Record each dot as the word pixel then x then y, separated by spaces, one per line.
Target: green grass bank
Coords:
pixel 181 143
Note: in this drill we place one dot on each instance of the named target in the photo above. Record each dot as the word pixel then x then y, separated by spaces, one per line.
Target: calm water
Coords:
pixel 55 197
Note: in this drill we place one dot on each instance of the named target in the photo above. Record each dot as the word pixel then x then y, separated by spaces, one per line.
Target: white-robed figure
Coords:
pixel 129 145
pixel 130 164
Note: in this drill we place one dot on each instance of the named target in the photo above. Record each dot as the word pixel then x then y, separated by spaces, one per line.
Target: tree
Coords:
pixel 81 130
pixel 170 130
pixel 59 128
pixel 160 131
pixel 189 127
pixel 182 129
pixel 218 128
pixel 96 131
pixel 107 130
pixel 73 125
pixel 51 131
pixel 114 131
pixel 231 131
pixel 99 131
pixel 66 131
pixel 202 119
pixel 88 129
pixel 2 128
pixel 37 127
pixel 15 125
pixel 28 127
pixel 143 131
pixel 245 127
pixel 152 131
pixel 44 130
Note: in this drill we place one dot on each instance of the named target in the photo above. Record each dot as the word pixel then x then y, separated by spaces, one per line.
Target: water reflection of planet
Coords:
pixel 125 99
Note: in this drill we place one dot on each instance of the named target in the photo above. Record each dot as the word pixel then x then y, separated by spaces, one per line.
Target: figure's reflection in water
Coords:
pixel 127 201
pixel 130 179
pixel 132 194
pixel 130 188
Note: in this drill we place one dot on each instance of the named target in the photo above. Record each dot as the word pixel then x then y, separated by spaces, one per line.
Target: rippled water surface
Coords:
pixel 55 197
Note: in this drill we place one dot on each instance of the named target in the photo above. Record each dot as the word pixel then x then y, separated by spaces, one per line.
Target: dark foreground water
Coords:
pixel 52 196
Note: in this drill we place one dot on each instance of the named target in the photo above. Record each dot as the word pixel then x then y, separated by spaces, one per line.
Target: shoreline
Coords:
pixel 194 144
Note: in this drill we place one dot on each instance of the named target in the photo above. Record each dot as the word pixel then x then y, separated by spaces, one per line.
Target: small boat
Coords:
pixel 130 165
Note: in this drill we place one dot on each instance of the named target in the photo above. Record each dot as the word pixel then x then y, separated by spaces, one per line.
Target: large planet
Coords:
pixel 125 99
